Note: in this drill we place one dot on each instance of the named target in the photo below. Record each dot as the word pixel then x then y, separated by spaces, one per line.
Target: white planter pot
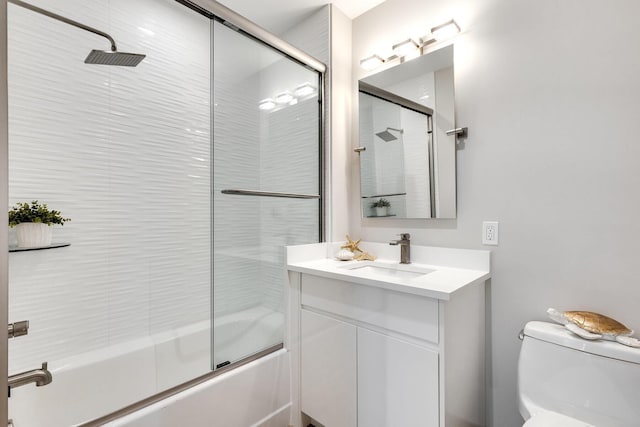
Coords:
pixel 33 234
pixel 383 211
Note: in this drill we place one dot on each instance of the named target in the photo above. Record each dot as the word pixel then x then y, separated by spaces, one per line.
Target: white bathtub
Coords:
pixel 94 384
pixel 254 395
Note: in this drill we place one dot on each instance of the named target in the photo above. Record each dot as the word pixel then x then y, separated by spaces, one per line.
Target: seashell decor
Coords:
pixel 344 255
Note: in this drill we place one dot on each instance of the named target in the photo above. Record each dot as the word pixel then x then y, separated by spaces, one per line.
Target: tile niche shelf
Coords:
pixel 38 248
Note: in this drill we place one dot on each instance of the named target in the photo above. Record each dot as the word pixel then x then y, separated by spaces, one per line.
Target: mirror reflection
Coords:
pixel 407 161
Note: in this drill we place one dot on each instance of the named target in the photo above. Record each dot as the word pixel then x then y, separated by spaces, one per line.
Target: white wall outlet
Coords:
pixel 490 233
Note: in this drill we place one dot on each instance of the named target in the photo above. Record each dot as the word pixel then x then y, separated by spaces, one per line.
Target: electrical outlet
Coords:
pixel 490 233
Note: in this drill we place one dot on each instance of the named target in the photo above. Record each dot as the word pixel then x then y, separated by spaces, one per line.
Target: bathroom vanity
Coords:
pixel 381 344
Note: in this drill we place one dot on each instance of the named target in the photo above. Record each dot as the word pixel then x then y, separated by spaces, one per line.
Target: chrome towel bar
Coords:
pixel 384 195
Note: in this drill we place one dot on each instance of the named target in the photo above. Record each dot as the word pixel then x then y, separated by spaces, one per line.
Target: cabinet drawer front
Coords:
pixel 412 315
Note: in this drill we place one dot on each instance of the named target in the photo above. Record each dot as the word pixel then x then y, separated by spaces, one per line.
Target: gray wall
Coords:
pixel 549 91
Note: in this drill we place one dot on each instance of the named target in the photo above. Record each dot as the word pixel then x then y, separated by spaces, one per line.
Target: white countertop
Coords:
pixel 449 276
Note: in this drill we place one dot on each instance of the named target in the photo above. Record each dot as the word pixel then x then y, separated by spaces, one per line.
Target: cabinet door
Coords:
pixel 397 383
pixel 328 370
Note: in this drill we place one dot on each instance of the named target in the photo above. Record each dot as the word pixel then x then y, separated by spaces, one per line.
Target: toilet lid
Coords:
pixel 554 419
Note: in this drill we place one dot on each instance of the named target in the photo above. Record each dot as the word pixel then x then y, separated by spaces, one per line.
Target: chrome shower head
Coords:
pixel 112 57
pixel 387 136
pixel 106 57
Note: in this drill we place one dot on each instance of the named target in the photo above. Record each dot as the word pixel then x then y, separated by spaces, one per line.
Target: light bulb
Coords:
pixel 267 104
pixel 305 89
pixel 371 62
pixel 446 30
pixel 405 48
pixel 284 97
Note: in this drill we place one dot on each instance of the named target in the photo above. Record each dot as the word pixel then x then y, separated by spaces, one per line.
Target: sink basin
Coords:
pixel 388 271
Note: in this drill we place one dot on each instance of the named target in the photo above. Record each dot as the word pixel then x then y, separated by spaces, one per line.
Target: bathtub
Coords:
pixel 96 383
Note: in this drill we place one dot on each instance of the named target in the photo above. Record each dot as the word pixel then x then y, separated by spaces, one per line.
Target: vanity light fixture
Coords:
pixel 405 48
pixel 446 30
pixel 288 97
pixel 409 46
pixel 371 62
pixel 284 97
pixel 305 89
pixel 267 104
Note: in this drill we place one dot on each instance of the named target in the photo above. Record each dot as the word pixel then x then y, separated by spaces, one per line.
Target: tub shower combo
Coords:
pixel 186 169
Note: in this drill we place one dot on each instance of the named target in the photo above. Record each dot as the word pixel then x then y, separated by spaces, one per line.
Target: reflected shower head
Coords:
pixel 387 136
pixel 105 57
pixel 112 57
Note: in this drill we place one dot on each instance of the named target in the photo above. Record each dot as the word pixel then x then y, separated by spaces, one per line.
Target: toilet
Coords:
pixel 566 381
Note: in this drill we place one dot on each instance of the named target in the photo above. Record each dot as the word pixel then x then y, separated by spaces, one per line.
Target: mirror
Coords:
pixel 407 160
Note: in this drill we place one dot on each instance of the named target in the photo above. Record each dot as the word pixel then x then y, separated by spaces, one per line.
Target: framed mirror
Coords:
pixel 407 160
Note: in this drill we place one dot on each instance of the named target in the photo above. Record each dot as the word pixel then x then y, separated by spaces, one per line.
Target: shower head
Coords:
pixel 112 57
pixel 105 57
pixel 387 136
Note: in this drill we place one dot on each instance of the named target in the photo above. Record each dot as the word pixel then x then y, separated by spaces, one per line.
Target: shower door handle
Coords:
pixel 270 194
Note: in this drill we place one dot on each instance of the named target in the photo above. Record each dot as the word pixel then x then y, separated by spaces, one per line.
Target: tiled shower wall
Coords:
pixel 124 152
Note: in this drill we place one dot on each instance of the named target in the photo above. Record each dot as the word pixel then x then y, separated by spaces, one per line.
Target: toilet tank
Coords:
pixel 597 382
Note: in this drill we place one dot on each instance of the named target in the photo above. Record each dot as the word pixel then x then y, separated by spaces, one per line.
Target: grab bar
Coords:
pixel 269 194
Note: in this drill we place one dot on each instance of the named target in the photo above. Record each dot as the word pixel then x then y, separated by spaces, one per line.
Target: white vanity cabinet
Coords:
pixel 397 382
pixel 328 369
pixel 374 357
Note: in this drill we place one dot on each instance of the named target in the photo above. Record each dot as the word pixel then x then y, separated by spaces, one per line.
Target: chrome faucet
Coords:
pixel 39 376
pixel 405 248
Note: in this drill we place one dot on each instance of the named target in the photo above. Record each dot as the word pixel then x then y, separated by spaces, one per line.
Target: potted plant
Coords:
pixel 34 223
pixel 381 206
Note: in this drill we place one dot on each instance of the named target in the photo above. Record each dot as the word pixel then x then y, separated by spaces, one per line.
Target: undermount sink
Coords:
pixel 388 271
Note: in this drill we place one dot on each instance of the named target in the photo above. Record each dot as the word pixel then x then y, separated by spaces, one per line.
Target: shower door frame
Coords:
pixel 4 202
pixel 213 10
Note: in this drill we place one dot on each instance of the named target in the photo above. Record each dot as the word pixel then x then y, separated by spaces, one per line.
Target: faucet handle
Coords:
pixel 404 236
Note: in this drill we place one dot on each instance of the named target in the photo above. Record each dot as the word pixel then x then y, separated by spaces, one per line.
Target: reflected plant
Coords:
pixel 380 203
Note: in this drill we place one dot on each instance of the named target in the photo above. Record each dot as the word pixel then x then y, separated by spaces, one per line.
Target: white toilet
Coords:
pixel 566 381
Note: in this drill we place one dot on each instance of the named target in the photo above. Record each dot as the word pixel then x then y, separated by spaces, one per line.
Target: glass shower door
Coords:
pixel 266 187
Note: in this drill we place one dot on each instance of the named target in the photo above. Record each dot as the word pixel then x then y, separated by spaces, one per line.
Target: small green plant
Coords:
pixel 380 203
pixel 34 212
